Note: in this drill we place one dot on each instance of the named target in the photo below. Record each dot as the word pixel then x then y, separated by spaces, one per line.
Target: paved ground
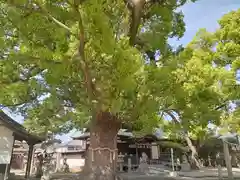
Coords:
pixel 205 174
pixel 209 172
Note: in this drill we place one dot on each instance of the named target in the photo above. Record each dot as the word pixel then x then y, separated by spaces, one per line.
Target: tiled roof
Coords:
pixel 18 129
pixel 77 134
pixel 80 134
pixel 230 137
pixel 74 142
pixel 122 132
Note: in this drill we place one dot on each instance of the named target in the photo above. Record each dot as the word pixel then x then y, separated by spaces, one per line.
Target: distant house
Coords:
pixel 74 152
pixel 10 132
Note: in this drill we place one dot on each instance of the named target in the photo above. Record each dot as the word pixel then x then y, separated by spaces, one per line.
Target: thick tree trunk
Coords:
pixel 195 164
pixel 102 152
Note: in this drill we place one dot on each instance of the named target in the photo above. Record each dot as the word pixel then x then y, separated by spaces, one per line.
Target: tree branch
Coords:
pixel 224 104
pixel 27 101
pixel 45 11
pixel 81 52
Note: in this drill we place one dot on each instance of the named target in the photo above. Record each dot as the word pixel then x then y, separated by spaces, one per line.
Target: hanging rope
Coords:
pixel 112 152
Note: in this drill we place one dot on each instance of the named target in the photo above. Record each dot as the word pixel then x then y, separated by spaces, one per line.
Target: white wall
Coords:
pixel 155 151
pixel 6 144
pixel 61 149
pixel 74 160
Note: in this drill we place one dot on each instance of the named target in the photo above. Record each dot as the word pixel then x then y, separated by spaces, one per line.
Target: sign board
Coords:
pixel 155 152
pixel 6 145
pixel 140 146
pixel 5 157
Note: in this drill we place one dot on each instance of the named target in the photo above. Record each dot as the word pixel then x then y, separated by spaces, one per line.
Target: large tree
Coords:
pixel 227 54
pixel 65 63
pixel 220 50
pixel 223 51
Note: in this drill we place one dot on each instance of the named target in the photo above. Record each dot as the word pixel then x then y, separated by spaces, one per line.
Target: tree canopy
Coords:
pixel 61 60
pixel 216 54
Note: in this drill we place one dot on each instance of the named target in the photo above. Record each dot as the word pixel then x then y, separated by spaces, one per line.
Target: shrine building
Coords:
pixel 156 148
pixel 11 132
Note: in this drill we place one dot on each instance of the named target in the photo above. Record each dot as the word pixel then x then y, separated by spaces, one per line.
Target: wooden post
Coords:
pixel 173 169
pixel 227 160
pixel 129 165
pixel 58 166
pixel 6 170
pixel 173 173
pixel 32 162
pixel 9 167
pixel 137 158
pixel 29 161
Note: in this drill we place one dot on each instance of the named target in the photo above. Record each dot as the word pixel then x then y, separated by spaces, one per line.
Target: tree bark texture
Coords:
pixel 102 153
pixel 195 164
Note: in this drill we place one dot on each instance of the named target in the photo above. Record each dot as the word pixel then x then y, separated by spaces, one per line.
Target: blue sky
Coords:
pixel 202 14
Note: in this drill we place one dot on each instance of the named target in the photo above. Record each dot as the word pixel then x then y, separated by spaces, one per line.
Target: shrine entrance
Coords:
pixel 141 148
pixel 17 161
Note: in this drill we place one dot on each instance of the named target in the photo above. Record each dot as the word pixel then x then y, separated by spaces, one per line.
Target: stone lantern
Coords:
pixel 48 150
